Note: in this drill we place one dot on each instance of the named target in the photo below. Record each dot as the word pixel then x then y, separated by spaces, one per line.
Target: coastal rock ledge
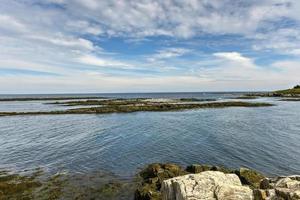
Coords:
pixel 209 185
pixel 214 185
pixel 205 182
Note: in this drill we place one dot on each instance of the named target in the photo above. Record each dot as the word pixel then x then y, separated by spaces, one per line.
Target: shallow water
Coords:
pixel 266 139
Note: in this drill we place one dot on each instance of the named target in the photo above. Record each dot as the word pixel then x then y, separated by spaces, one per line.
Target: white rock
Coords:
pixel 233 192
pixel 288 188
pixel 208 185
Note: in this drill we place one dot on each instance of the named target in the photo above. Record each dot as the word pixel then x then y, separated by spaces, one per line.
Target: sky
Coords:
pixel 100 46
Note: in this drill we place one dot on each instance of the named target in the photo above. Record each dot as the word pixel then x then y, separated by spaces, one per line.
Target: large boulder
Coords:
pixel 208 185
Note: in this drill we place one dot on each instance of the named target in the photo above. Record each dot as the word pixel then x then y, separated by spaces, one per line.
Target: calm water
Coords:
pixel 266 139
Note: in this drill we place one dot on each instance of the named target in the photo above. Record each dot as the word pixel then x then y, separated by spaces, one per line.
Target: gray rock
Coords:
pixel 233 192
pixel 265 184
pixel 260 194
pixel 208 185
pixel 288 188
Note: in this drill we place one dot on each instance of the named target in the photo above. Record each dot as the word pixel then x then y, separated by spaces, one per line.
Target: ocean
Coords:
pixel 266 139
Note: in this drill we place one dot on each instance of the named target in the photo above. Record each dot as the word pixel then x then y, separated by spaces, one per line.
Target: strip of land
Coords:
pixel 291 93
pixel 137 106
pixel 47 98
pixel 135 101
pixel 290 99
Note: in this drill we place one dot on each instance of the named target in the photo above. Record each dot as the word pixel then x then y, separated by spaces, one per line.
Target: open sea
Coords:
pixel 266 139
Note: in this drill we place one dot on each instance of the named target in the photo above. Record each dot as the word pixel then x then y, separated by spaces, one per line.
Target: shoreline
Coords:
pixel 151 183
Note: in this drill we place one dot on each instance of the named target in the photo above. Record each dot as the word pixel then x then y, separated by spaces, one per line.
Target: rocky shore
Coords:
pixel 155 182
pixel 205 182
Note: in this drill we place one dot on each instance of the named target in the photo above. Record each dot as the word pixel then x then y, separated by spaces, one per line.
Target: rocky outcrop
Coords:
pixel 153 176
pixel 282 188
pixel 213 185
pixel 208 185
pixel 249 177
pixel 171 182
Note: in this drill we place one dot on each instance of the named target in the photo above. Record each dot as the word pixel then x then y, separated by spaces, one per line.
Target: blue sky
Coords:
pixel 57 46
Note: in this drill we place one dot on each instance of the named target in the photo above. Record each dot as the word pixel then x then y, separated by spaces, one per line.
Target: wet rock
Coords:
pixel 171 182
pixel 147 192
pixel 250 177
pixel 209 185
pixel 265 184
pixel 222 169
pixel 260 194
pixel 153 176
pixel 196 168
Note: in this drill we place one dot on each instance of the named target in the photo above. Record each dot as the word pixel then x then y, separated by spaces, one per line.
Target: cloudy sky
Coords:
pixel 56 46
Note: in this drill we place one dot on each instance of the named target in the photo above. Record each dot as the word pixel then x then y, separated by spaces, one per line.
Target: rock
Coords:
pixel 162 171
pixel 250 177
pixel 295 177
pixel 271 194
pixel 195 168
pixel 260 194
pixel 152 177
pixel 265 184
pixel 208 185
pixel 222 169
pixel 147 192
pixel 287 183
pixel 288 188
pixel 233 192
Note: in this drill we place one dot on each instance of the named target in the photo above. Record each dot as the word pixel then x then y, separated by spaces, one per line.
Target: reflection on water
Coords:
pixel 265 139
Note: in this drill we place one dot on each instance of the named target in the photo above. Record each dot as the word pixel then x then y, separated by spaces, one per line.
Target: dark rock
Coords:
pixel 259 194
pixel 195 168
pixel 222 169
pixel 265 184
pixel 147 192
pixel 152 177
pixel 250 177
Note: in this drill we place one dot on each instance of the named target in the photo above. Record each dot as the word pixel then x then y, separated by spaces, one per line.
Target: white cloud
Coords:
pixel 96 61
pixel 235 57
pixel 284 41
pixel 168 53
pixel 183 18
pixel 10 23
pixel 81 26
pixel 65 36
pixel 62 40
